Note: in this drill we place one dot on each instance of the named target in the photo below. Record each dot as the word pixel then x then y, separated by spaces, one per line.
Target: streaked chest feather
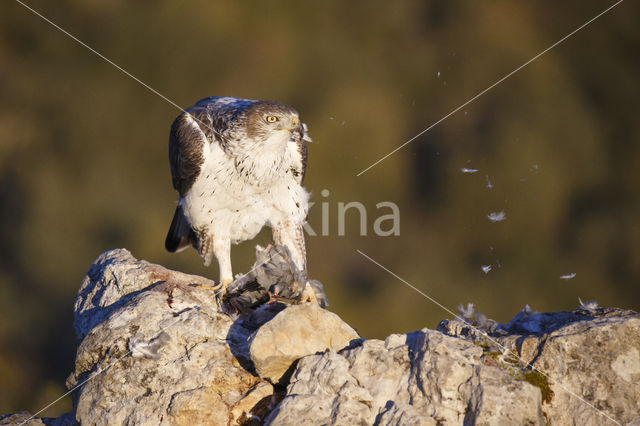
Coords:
pixel 242 193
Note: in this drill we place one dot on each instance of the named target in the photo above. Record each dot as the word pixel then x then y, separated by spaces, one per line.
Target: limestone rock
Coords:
pixel 23 417
pixel 157 348
pixel 296 332
pixel 590 358
pixel 422 377
pixel 113 280
pixel 161 351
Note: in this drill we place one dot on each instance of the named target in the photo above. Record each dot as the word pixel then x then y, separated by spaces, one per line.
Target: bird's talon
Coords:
pixel 308 294
pixel 221 287
pixel 203 287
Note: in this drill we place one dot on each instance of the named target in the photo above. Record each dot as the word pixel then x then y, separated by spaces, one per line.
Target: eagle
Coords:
pixel 238 164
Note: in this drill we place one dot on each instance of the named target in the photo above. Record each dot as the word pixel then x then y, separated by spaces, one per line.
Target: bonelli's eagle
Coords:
pixel 238 164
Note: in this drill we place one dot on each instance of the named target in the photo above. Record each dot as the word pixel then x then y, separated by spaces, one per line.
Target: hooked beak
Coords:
pixel 295 124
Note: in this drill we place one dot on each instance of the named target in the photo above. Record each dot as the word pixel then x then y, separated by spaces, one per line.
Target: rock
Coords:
pixel 590 356
pixel 157 347
pixel 404 414
pixel 113 280
pixel 162 350
pixel 296 332
pixel 422 377
pixel 256 404
pixel 473 374
pixel 27 419
pixel 21 418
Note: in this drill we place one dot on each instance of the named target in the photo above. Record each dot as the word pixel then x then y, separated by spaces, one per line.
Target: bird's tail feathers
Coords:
pixel 180 235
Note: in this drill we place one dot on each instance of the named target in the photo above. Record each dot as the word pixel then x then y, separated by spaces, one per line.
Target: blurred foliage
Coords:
pixel 83 153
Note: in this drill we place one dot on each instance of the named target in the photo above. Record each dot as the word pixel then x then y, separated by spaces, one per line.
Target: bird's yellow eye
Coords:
pixel 271 118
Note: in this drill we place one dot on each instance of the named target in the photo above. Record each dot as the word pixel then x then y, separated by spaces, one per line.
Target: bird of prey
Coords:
pixel 238 164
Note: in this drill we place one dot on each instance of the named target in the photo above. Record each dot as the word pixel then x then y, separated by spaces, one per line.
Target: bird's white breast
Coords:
pixel 236 196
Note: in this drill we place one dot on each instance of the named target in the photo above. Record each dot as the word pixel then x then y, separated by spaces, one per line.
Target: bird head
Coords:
pixel 273 121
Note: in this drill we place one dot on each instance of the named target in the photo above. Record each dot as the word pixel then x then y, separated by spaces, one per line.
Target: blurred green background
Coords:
pixel 84 169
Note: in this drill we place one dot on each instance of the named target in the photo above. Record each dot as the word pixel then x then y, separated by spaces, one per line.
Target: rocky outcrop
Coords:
pixel 158 347
pixel 167 350
pixel 160 352
pixel 423 377
pixel 556 368
pixel 586 362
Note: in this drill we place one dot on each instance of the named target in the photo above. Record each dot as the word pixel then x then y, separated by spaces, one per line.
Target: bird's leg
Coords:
pixel 222 251
pixel 289 234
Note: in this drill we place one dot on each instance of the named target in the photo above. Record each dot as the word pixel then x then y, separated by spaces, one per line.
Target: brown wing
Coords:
pixel 186 143
pixel 208 121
